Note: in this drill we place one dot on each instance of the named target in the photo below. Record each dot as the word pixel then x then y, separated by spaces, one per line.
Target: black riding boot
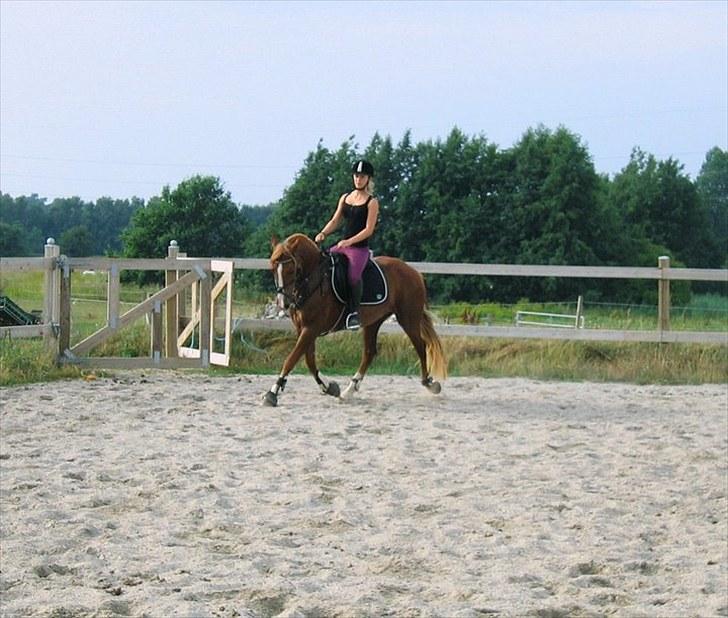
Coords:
pixel 352 320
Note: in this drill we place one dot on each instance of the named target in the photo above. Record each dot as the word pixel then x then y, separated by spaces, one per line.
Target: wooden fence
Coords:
pixel 167 346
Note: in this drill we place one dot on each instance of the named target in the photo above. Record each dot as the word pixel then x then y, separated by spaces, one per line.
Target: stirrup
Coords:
pixel 352 321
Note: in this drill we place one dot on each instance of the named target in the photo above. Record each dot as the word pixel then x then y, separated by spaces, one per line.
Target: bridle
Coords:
pixel 295 293
pixel 282 288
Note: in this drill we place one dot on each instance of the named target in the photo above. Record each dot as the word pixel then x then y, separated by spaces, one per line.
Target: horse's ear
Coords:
pixel 274 241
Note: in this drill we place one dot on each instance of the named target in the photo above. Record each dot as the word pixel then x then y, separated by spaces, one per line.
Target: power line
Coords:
pixel 147 164
pixel 115 180
pixel 246 166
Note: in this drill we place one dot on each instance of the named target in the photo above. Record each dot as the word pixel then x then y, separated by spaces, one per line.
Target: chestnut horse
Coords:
pixel 303 283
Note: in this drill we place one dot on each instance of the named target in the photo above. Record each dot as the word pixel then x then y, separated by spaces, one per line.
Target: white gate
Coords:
pixel 219 304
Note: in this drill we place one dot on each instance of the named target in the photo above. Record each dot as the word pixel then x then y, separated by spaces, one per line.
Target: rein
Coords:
pixel 302 288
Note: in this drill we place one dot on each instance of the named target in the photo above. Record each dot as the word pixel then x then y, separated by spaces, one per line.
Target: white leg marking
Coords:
pixel 353 386
pixel 276 386
pixel 280 301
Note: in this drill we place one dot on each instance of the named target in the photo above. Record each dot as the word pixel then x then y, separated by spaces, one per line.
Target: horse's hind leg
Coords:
pixel 370 351
pixel 411 326
pixel 327 388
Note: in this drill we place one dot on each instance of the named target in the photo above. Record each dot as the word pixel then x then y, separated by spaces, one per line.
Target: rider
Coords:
pixel 359 210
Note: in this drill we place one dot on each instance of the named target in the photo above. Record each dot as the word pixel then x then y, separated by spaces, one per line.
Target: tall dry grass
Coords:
pixel 547 360
pixel 24 361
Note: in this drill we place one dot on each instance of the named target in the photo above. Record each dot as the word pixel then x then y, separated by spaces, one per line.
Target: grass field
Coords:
pixel 26 360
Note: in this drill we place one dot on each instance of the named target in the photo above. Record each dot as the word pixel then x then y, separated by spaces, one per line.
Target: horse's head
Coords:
pixel 292 260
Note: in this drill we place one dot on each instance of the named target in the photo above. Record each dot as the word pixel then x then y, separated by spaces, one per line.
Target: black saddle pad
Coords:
pixel 375 289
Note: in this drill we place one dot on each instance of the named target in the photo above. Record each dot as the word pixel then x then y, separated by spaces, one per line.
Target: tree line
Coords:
pixel 462 199
pixel 458 199
pixel 81 228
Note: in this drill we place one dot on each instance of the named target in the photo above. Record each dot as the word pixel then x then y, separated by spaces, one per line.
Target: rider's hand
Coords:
pixel 320 237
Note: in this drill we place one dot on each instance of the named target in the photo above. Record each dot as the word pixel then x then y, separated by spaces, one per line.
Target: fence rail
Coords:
pixel 58 270
pixel 523 332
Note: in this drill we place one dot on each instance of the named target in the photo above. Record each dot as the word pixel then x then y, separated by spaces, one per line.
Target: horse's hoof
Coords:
pixel 351 389
pixel 434 387
pixel 333 389
pixel 270 399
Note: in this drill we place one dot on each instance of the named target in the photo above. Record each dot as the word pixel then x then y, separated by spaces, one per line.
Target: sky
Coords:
pixel 120 99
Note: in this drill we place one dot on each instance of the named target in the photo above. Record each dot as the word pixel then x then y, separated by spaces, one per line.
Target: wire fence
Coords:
pixel 705 312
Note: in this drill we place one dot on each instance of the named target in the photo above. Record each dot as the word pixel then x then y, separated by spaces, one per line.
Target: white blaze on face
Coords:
pixel 279 282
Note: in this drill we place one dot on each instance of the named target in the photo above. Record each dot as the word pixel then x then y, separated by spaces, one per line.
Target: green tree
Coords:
pixel 40 220
pixel 443 209
pixel 77 241
pixel 394 166
pixel 29 213
pixel 107 218
pixel 199 214
pixel 12 240
pixel 712 186
pixel 552 210
pixel 64 213
pixel 462 199
pixel 661 205
pixel 257 215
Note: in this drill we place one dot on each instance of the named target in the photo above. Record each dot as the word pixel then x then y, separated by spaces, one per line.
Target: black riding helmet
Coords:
pixel 362 167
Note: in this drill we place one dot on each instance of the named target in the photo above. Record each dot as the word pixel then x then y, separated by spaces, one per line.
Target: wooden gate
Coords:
pixel 222 287
pixel 183 277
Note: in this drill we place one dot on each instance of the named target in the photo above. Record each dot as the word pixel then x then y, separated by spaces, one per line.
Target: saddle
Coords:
pixel 375 289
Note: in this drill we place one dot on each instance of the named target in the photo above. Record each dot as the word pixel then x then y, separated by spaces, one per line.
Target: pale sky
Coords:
pixel 121 98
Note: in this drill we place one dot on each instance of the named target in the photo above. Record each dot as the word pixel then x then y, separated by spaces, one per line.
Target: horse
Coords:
pixel 302 272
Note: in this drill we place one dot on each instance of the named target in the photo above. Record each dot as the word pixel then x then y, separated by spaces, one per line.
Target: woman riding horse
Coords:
pixel 359 210
pixel 304 284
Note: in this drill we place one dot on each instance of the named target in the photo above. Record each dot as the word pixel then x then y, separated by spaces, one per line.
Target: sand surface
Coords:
pixel 176 494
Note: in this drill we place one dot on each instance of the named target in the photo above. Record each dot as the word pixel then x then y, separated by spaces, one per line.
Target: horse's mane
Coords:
pixel 295 240
pixel 296 244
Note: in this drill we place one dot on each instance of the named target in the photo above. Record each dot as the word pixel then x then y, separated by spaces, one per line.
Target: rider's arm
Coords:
pixel 334 222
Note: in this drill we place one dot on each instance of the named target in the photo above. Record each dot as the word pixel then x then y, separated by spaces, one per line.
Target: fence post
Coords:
pixel 157 333
pixel 171 306
pixel 579 312
pixel 52 292
pixel 113 296
pixel 663 295
pixel 205 317
pixel 64 319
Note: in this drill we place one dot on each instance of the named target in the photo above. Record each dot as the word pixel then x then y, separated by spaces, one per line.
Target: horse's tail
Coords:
pixel 436 360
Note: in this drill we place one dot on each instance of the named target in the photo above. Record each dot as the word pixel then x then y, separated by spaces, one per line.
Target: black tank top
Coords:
pixel 355 217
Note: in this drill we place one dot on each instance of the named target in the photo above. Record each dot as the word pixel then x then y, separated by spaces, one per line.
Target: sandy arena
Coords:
pixel 175 494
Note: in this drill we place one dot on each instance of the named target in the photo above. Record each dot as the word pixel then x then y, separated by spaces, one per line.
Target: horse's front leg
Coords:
pixel 327 388
pixel 370 351
pixel 305 338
